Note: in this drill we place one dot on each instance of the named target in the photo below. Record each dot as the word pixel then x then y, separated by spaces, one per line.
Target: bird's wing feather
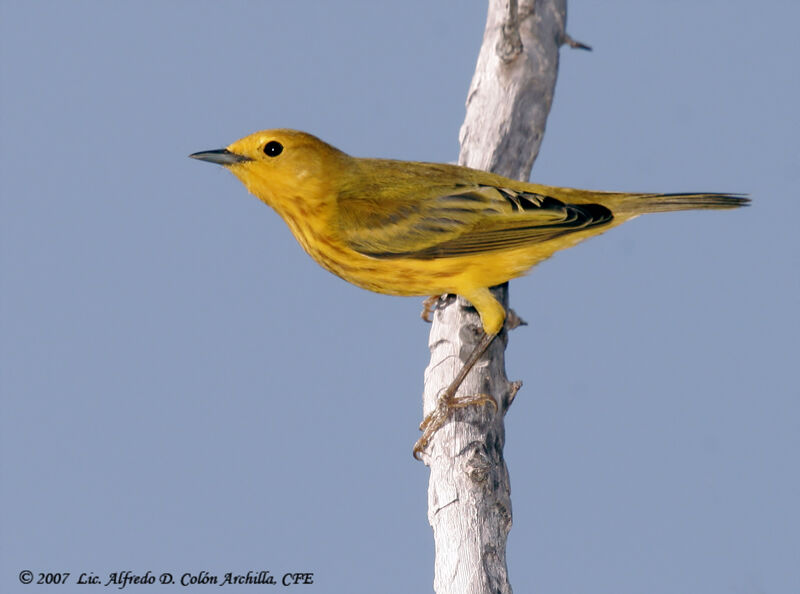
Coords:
pixel 460 221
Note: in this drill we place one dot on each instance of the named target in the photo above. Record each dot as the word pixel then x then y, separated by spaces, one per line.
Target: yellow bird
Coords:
pixel 410 228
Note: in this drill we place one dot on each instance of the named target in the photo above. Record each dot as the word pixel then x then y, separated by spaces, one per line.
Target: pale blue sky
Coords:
pixel 183 389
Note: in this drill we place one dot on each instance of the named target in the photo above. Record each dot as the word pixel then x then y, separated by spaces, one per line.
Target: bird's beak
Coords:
pixel 220 157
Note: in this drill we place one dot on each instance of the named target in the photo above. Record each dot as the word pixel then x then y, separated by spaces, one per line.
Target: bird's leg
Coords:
pixel 428 306
pixel 448 400
pixel 493 315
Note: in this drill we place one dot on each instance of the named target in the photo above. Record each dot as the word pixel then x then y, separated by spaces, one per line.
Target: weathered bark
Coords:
pixel 469 505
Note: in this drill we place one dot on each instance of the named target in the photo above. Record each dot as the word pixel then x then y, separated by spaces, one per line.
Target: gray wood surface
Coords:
pixel 469 504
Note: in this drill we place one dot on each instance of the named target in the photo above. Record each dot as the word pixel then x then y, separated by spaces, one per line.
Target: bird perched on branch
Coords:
pixel 410 228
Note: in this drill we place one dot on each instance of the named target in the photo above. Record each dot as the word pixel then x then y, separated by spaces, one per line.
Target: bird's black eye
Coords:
pixel 273 148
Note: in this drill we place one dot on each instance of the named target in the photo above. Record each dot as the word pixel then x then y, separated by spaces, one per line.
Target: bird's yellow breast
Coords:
pixel 317 235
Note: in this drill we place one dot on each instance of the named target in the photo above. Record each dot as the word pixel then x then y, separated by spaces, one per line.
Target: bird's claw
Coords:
pixel 434 421
pixel 428 307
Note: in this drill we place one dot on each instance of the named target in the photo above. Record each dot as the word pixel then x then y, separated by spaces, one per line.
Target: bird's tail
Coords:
pixel 622 204
pixel 644 203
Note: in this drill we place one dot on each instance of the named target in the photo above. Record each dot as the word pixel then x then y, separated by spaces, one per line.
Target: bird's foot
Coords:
pixel 447 402
pixel 428 307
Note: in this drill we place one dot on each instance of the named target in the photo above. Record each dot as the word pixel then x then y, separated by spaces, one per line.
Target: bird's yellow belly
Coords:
pixel 411 277
pixel 420 277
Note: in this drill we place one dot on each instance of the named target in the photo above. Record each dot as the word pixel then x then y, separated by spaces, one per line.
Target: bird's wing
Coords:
pixel 465 221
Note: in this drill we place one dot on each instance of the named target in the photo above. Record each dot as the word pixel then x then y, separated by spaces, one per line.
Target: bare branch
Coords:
pixel 469 505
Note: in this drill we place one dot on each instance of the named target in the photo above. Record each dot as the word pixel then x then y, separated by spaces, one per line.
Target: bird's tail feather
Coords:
pixel 640 203
pixel 645 203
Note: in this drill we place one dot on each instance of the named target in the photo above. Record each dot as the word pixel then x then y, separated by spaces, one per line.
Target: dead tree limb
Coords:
pixel 469 505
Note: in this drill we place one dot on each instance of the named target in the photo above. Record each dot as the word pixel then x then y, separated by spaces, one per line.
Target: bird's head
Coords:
pixel 280 166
